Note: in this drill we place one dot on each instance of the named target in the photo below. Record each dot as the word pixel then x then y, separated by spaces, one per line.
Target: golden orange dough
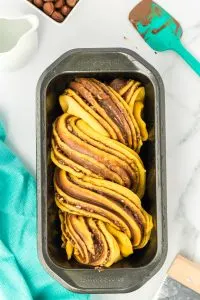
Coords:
pixel 134 95
pixel 99 177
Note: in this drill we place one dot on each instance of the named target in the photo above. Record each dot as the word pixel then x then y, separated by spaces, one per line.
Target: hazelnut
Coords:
pixel 65 10
pixel 57 16
pixel 48 8
pixel 38 3
pixel 49 0
pixel 71 3
pixel 59 3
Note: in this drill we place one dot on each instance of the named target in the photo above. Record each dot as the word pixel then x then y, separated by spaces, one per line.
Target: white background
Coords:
pixel 105 23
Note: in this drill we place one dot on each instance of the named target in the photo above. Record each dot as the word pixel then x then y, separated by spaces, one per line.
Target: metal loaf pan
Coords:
pixel 132 272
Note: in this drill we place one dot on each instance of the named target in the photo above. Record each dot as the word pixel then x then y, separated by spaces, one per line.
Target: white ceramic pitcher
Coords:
pixel 18 41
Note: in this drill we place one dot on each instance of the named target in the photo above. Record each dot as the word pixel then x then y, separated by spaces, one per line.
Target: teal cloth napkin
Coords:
pixel 21 275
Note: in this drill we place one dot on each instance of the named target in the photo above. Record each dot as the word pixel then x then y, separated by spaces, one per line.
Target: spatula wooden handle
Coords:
pixel 187 56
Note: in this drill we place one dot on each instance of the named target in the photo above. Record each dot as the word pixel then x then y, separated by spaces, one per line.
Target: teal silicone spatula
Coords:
pixel 160 30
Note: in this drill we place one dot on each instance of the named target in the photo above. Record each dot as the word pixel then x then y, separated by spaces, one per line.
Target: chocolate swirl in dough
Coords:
pixel 99 177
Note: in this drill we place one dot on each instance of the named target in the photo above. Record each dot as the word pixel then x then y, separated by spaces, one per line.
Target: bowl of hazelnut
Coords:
pixel 57 10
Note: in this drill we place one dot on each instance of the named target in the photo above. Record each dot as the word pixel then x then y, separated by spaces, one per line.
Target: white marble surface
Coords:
pixel 104 24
